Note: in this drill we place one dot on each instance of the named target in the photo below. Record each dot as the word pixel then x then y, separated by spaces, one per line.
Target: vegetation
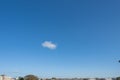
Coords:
pixel 53 78
pixel 20 78
pixel 118 78
pixel 31 77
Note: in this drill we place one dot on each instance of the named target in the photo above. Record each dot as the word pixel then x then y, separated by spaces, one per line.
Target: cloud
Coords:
pixel 49 44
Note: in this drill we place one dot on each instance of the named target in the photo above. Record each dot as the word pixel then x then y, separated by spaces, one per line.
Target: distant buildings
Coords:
pixel 4 77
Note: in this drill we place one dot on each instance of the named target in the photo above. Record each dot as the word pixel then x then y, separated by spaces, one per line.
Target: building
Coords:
pixel 4 77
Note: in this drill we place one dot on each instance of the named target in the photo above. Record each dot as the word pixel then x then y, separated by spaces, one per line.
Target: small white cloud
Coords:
pixel 49 44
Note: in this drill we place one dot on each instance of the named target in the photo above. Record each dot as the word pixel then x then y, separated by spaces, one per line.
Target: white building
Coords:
pixel 4 77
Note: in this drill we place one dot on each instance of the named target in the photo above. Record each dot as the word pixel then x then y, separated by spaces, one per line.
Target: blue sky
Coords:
pixel 60 38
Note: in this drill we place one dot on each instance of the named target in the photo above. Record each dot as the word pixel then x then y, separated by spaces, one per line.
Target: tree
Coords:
pixel 85 79
pixel 96 78
pixel 20 78
pixel 118 78
pixel 31 77
pixel 53 78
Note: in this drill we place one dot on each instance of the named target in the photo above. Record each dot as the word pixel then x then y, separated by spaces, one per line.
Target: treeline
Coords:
pixel 33 77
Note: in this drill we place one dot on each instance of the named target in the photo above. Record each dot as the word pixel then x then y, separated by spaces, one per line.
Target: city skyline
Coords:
pixel 60 38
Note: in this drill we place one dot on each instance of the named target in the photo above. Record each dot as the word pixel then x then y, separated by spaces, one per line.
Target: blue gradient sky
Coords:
pixel 86 32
